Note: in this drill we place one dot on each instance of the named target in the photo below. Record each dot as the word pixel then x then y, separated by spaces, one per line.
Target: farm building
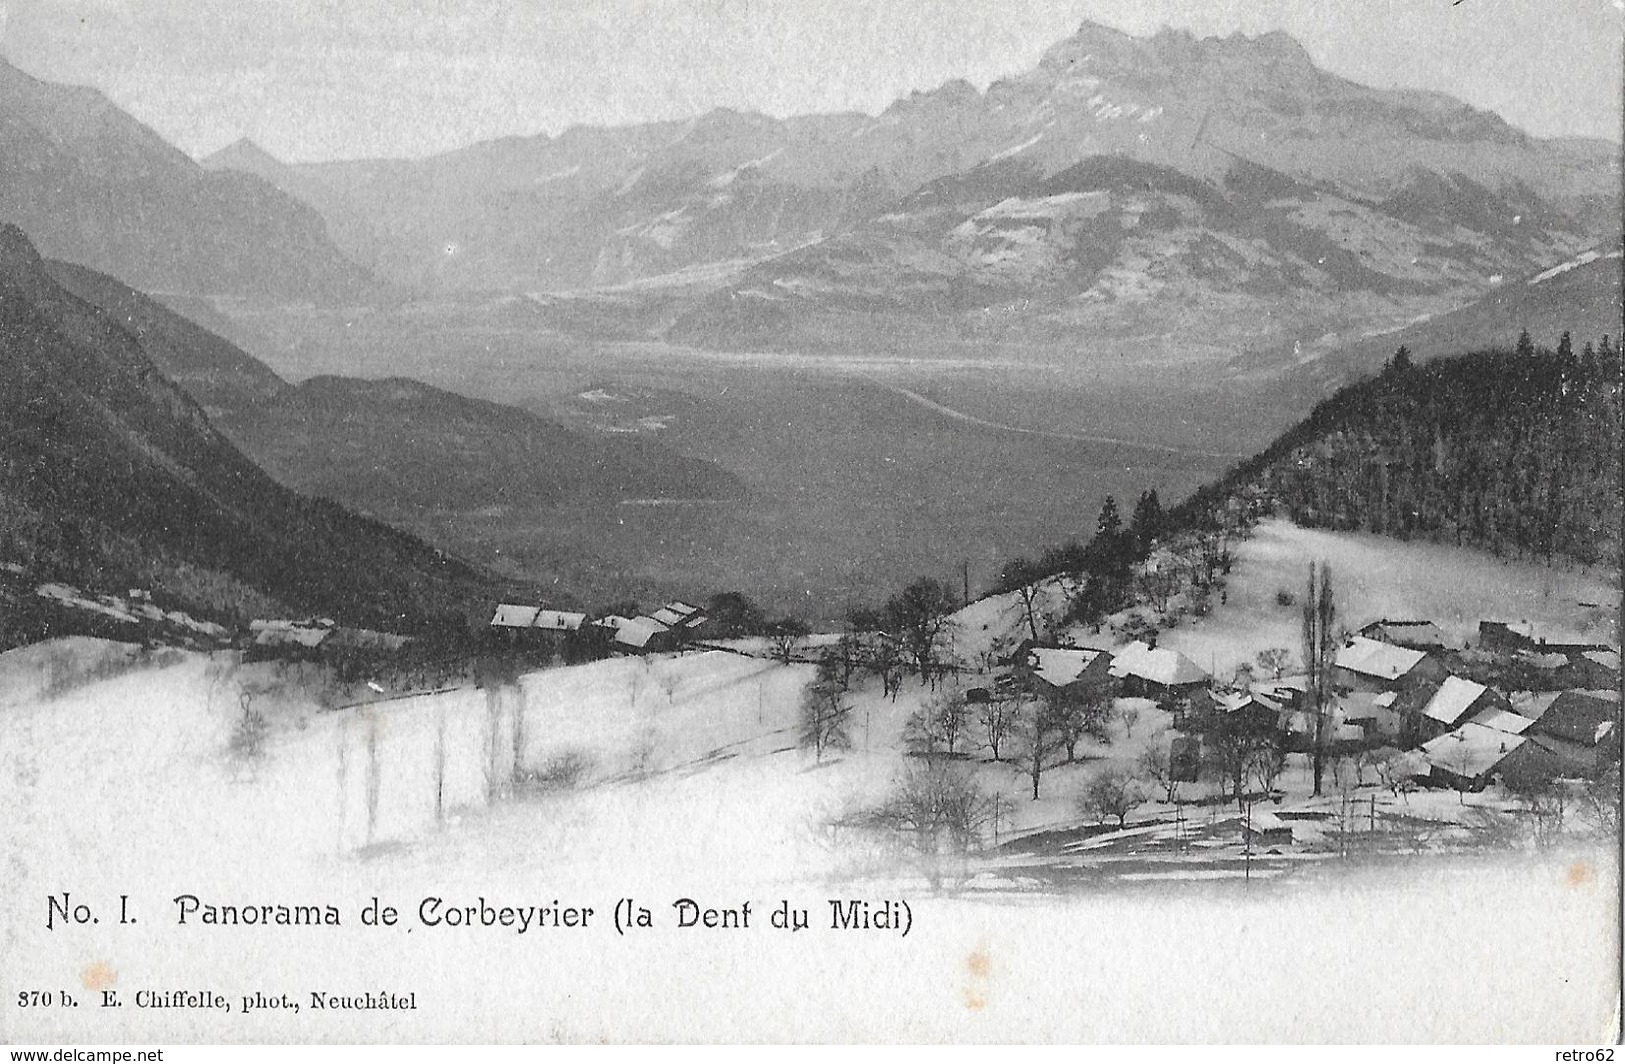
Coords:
pixel 1502 720
pixel 1058 668
pixel 1369 665
pixel 1152 672
pixel 1577 734
pixel 1578 715
pixel 1469 756
pixel 638 635
pixel 512 615
pixel 1543 758
pixel 536 627
pixel 514 618
pixel 1521 635
pixel 1251 713
pixel 1417 635
pixel 1590 670
pixel 679 615
pixel 1454 702
pixel 559 620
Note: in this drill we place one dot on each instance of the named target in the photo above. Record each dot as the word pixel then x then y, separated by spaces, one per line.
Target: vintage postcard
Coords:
pixel 738 521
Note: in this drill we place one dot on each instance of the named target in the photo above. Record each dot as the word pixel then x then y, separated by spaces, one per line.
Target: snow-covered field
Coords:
pixel 1374 578
pixel 689 784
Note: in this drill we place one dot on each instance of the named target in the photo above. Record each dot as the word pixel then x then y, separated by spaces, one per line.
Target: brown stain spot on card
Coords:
pixel 98 976
pixel 1580 874
pixel 980 965
pixel 978 962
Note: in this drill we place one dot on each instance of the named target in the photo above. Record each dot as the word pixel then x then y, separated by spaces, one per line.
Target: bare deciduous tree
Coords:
pixel 1113 792
pixel 1598 803
pixel 996 716
pixel 785 636
pixel 938 812
pixel 1037 736
pixel 1156 764
pixel 824 717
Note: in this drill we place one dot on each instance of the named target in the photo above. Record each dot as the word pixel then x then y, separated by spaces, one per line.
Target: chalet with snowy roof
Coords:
pixel 1468 757
pixel 1581 729
pixel 536 627
pixel 1417 635
pixel 1076 670
pixel 1506 635
pixel 1364 664
pixel 1521 635
pixel 512 615
pixel 1576 737
pixel 1250 713
pixel 1590 670
pixel 1154 671
pixel 1503 720
pixel 1455 701
pixel 680 615
pixel 637 635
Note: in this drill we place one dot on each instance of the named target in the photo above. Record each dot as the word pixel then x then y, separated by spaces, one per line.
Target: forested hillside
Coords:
pixel 112 477
pixel 1512 451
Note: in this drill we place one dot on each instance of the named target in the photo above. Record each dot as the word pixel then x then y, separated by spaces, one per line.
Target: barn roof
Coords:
pixel 1370 657
pixel 511 615
pixel 1421 634
pixel 1059 666
pixel 559 620
pixel 1471 750
pixel 1503 721
pixel 1533 704
pixel 638 631
pixel 1162 666
pixel 1580 716
pixel 1237 700
pixel 677 613
pixel 1608 659
pixel 1453 699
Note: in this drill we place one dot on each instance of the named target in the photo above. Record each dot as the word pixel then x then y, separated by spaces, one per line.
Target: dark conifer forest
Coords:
pixel 1516 452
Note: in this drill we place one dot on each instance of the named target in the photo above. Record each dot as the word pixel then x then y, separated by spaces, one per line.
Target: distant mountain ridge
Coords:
pixel 1201 193
pixel 90 184
pixel 1584 295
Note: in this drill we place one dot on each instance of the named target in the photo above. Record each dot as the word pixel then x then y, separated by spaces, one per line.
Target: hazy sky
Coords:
pixel 315 79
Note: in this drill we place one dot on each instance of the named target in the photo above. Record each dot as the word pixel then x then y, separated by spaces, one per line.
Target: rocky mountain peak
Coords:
pixel 1095 47
pixel 957 93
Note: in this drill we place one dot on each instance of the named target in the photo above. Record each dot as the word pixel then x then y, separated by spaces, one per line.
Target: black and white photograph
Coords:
pixel 763 521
